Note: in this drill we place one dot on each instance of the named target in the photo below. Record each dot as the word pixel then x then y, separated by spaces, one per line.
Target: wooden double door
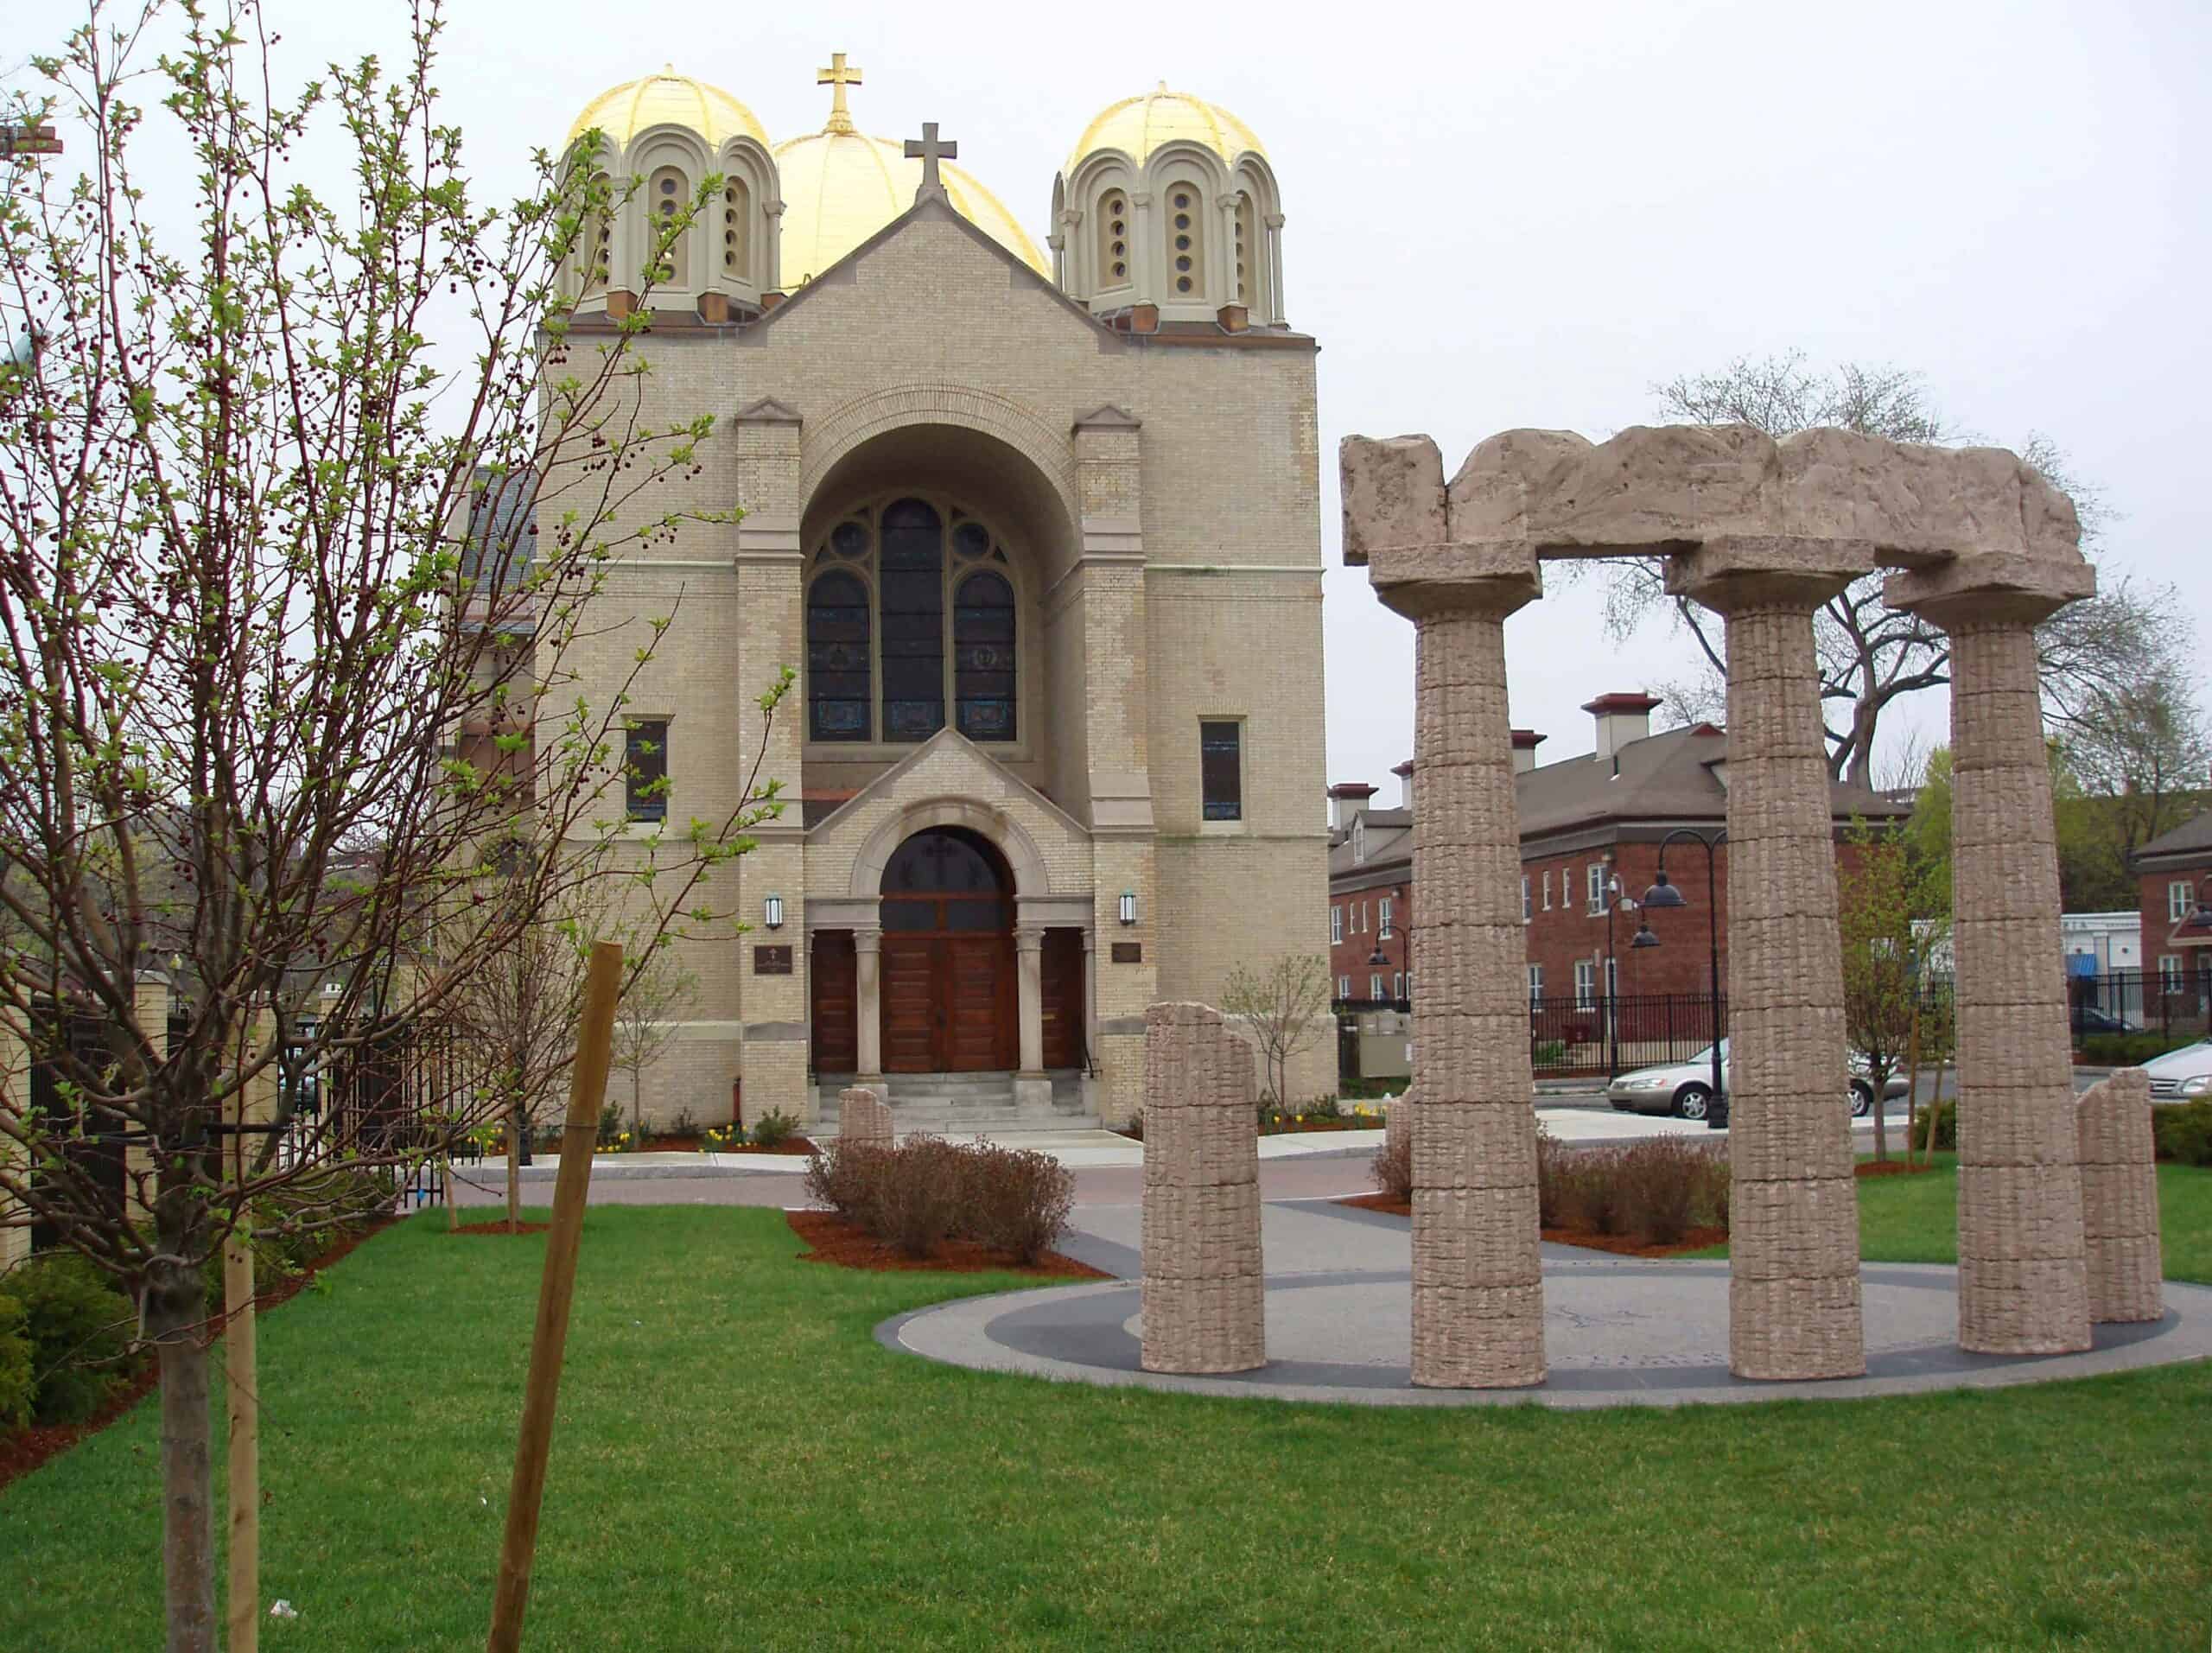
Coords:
pixel 949 1003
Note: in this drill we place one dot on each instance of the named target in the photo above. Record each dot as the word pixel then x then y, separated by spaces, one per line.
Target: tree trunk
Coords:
pixel 1879 1076
pixel 1911 1086
pixel 516 1126
pixel 187 1474
pixel 241 1395
pixel 1934 1110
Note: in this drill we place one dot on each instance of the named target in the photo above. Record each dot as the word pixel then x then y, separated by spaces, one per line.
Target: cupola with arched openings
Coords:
pixel 664 137
pixel 1169 200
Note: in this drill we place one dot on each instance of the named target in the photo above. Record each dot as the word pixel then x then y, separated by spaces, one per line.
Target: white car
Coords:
pixel 2183 1075
pixel 1685 1089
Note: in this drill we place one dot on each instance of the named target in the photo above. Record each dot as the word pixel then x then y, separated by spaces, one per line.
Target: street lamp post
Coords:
pixel 1664 894
pixel 1614 901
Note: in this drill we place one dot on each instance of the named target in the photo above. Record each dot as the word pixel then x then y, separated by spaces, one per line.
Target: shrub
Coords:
pixel 79 1328
pixel 686 1124
pixel 846 1177
pixel 1947 1123
pixel 1323 1108
pixel 1393 1169
pixel 1135 1127
pixel 2129 1050
pixel 773 1128
pixel 1550 1053
pixel 17 1375
pixel 1659 1187
pixel 1653 1191
pixel 2183 1132
pixel 1015 1200
pixel 917 1207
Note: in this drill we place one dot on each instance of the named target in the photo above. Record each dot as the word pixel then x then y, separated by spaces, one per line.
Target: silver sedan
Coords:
pixel 1685 1089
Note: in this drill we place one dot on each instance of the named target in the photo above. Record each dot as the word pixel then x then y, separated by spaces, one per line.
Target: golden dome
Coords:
pixel 1137 126
pixel 666 99
pixel 841 186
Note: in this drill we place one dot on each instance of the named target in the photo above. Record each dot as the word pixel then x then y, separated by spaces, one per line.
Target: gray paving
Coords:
pixel 1618 1332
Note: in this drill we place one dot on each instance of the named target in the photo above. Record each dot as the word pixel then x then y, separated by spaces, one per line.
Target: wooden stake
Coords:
pixel 239 1395
pixel 587 1090
pixel 445 1175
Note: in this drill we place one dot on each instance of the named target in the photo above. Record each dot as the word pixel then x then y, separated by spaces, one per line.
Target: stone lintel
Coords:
pixel 766 411
pixel 1745 571
pixel 1991 587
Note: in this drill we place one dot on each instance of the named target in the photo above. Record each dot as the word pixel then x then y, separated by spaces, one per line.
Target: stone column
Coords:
pixel 862 1119
pixel 1203 1294
pixel 2023 1275
pixel 1278 312
pixel 867 972
pixel 1031 1088
pixel 1793 1241
pixel 2119 1199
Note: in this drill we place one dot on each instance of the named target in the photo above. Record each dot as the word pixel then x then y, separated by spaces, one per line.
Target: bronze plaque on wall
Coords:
pixel 772 961
pixel 1129 952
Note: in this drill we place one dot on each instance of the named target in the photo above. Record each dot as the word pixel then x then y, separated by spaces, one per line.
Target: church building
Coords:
pixel 1038 531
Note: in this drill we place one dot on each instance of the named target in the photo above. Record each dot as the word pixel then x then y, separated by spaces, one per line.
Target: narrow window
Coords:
pixel 983 657
pixel 1527 903
pixel 1336 925
pixel 2179 904
pixel 912 562
pixel 1398 985
pixel 1586 984
pixel 1536 984
pixel 1384 914
pixel 837 686
pixel 668 202
pixel 595 241
pixel 1220 769
pixel 1596 879
pixel 1247 250
pixel 1548 889
pixel 737 230
pixel 1344 987
pixel 645 770
pixel 2169 973
pixel 1375 986
pixel 1114 240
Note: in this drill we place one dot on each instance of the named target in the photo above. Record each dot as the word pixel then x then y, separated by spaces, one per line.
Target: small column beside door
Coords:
pixel 1030 1084
pixel 867 957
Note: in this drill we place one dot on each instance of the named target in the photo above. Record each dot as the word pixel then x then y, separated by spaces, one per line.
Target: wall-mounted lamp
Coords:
pixel 1128 907
pixel 771 912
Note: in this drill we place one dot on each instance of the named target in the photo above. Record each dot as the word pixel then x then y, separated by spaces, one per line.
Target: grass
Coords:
pixel 738 1463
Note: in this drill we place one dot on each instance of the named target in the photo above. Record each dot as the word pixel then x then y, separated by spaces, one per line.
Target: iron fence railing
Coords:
pixel 1576 1037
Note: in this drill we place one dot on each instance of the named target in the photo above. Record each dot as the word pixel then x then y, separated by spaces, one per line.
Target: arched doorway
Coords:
pixel 948 992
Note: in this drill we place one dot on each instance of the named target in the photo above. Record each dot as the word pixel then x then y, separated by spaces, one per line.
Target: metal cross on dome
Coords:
pixel 838 76
pixel 929 151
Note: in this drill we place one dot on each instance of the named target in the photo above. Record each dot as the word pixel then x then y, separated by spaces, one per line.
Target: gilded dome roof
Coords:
pixel 841 186
pixel 666 99
pixel 1137 126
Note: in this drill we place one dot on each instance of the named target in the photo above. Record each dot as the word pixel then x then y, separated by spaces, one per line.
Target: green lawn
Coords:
pixel 738 1465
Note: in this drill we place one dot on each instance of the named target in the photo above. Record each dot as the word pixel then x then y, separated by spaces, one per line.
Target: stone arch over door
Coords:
pixel 1005 835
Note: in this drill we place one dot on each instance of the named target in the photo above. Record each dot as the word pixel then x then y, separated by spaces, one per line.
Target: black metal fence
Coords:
pixel 2170 1005
pixel 1576 1038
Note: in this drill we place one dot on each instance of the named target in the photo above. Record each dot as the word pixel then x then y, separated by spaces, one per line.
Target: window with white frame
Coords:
pixel 2180 901
pixel 1344 987
pixel 1382 911
pixel 2170 980
pixel 1595 876
pixel 1548 889
pixel 1535 982
pixel 1375 986
pixel 1527 901
pixel 1336 925
pixel 1398 985
pixel 1409 994
pixel 1585 983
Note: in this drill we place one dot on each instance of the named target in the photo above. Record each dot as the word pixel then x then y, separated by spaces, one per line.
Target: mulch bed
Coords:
pixel 24 1449
pixel 502 1227
pixel 1625 1245
pixel 850 1246
pixel 1324 1125
pixel 1889 1168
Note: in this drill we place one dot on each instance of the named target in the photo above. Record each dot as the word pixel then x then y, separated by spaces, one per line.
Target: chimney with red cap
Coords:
pixel 1346 799
pixel 1621 719
pixel 1525 743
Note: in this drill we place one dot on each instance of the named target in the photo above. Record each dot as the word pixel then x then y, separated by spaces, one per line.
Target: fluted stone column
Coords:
pixel 1793 1238
pixel 2119 1199
pixel 1029 996
pixel 1202 1291
pixel 868 973
pixel 2023 1278
pixel 1478 1285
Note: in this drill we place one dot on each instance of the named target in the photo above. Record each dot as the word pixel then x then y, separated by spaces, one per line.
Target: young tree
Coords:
pixel 1284 1003
pixel 290 602
pixel 1871 656
pixel 653 1003
pixel 1882 964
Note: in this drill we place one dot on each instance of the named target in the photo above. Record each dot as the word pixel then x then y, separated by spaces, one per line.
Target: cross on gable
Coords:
pixel 929 150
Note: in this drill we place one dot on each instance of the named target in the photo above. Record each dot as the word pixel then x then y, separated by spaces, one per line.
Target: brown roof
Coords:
pixel 2190 838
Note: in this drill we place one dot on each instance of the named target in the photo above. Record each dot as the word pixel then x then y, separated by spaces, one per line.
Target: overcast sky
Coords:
pixel 1507 215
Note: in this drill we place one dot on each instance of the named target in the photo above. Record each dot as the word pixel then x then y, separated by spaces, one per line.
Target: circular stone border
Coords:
pixel 1081 1334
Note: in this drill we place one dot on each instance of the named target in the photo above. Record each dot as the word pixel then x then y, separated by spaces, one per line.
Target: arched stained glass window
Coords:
pixel 910 561
pixel 838 687
pixel 983 657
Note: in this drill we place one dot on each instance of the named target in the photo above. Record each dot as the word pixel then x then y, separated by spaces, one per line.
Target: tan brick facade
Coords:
pixel 1159 501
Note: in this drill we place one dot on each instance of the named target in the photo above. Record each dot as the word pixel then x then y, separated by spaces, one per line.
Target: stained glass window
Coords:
pixel 837 666
pixel 1221 773
pixel 910 558
pixel 982 658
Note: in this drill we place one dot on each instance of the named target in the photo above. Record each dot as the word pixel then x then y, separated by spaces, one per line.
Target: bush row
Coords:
pixel 2182 1132
pixel 68 1332
pixel 1653 1191
pixel 2129 1050
pixel 926 1191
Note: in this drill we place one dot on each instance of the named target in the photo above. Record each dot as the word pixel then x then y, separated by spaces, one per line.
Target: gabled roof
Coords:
pixel 969 752
pixel 2190 838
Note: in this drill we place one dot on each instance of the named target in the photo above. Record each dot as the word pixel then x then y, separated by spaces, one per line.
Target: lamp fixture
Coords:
pixel 771 912
pixel 1643 938
pixel 1661 894
pixel 1128 907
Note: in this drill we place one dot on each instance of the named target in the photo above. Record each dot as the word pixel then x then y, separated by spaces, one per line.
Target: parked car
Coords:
pixel 2088 1019
pixel 1685 1089
pixel 2183 1075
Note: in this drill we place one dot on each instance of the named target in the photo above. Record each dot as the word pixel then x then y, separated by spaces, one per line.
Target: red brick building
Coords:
pixel 2174 873
pixel 1590 832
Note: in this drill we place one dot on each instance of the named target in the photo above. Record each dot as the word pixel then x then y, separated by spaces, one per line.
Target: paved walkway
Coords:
pixel 1618 1332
